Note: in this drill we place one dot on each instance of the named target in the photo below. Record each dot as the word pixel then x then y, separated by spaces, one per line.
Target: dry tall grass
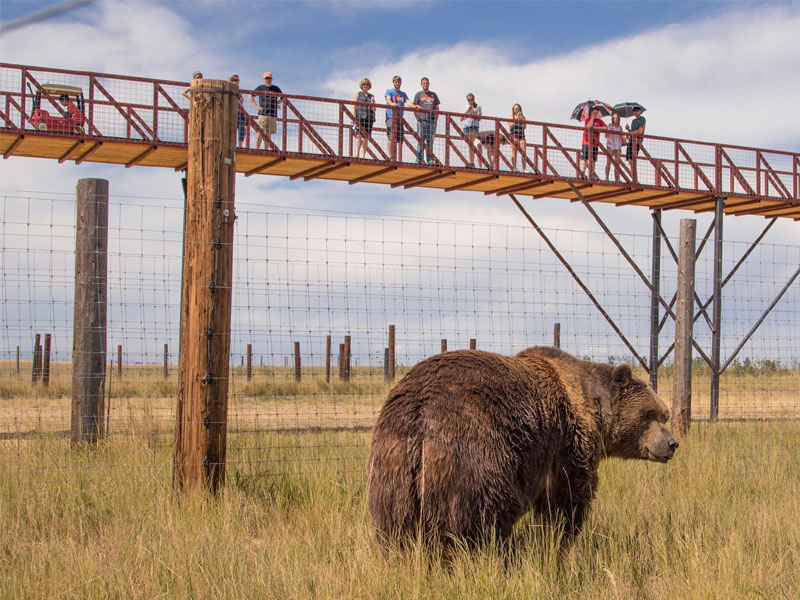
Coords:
pixel 720 521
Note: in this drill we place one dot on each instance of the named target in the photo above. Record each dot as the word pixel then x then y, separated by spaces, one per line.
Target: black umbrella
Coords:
pixel 583 109
pixel 625 109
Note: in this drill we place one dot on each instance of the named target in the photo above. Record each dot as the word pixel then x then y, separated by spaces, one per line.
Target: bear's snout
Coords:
pixel 662 446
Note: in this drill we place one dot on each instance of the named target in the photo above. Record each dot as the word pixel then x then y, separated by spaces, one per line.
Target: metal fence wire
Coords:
pixel 304 283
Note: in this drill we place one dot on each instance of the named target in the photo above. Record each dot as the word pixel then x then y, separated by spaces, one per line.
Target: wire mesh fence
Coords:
pixel 314 296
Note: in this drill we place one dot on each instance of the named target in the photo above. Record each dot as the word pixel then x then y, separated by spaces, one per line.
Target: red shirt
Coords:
pixel 598 124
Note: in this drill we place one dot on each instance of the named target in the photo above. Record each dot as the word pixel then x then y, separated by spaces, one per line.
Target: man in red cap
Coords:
pixel 267 110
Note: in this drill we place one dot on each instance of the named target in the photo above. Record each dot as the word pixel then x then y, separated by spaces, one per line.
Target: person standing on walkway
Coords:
pixel 241 116
pixel 470 120
pixel 591 139
pixel 195 75
pixel 267 110
pixel 636 130
pixel 365 116
pixel 396 98
pixel 516 132
pixel 614 139
pixel 426 121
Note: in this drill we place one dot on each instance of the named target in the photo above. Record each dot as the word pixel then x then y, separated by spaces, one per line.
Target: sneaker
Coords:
pixel 432 163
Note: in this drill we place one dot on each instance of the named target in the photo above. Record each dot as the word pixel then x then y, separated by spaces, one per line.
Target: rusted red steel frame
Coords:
pixel 774 186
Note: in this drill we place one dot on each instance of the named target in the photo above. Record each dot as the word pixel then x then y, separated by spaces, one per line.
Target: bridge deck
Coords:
pixel 143 122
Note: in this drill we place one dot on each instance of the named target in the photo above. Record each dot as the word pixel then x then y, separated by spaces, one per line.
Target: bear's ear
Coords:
pixel 621 374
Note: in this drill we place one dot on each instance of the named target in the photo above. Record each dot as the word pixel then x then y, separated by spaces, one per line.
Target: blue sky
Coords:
pixel 715 71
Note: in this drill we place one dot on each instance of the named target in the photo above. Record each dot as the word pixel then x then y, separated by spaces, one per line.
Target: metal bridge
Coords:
pixel 144 122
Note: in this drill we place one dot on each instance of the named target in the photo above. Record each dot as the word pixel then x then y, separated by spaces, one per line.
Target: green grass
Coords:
pixel 719 521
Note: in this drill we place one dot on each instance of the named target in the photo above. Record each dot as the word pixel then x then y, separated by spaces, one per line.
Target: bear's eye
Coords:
pixel 652 416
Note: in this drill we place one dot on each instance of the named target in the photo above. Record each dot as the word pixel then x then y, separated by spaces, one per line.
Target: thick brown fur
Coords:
pixel 469 441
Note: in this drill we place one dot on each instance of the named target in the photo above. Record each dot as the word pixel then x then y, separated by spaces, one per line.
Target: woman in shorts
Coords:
pixel 470 121
pixel 365 117
pixel 614 140
pixel 517 134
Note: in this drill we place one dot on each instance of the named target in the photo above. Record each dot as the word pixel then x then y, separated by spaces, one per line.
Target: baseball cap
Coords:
pixel 267 74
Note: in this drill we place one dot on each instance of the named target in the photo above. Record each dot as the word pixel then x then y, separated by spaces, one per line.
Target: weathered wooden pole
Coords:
pixel 46 361
pixel 35 365
pixel 473 344
pixel 444 345
pixel 249 362
pixel 556 335
pixel 166 361
pixel 684 307
pixel 392 355
pixel 347 358
pixel 89 321
pixel 119 360
pixel 386 364
pixel 204 362
pixel 327 359
pixel 17 360
pixel 341 362
pixel 297 372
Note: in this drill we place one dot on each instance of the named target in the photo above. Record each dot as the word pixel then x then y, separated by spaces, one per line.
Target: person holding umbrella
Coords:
pixel 636 130
pixel 591 139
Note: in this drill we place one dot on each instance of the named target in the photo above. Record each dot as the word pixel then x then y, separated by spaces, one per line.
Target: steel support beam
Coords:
pixel 655 280
pixel 716 318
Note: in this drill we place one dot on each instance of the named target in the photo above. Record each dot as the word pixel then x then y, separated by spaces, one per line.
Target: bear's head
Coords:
pixel 636 423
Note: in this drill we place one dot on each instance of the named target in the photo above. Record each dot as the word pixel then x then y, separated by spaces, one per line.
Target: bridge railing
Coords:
pixel 155 112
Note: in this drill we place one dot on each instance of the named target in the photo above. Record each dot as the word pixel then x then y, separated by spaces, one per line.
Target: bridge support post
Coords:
pixel 655 282
pixel 90 311
pixel 203 365
pixel 716 318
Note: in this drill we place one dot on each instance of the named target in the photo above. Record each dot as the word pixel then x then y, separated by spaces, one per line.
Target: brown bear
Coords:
pixel 469 441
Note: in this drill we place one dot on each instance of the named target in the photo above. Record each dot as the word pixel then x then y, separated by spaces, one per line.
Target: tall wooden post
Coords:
pixel 386 364
pixel 17 360
pixel 556 335
pixel 89 321
pixel 327 359
pixel 392 355
pixel 655 281
pixel 119 360
pixel 341 362
pixel 249 362
pixel 682 379
pixel 444 345
pixel 716 314
pixel 166 361
pixel 46 361
pixel 473 344
pixel 347 357
pixel 204 362
pixel 35 365
pixel 297 371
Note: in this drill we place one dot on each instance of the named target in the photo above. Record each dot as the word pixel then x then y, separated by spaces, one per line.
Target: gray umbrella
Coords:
pixel 625 109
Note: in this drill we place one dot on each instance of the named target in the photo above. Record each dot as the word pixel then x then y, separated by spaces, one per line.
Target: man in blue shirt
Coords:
pixel 394 117
pixel 267 111
pixel 426 121
pixel 635 141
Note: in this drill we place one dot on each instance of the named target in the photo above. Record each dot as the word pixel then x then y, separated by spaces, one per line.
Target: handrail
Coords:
pixel 153 112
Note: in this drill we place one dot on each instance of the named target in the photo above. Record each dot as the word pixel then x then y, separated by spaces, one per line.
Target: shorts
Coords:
pixel 265 121
pixel 398 135
pixel 629 152
pixel 470 129
pixel 517 132
pixel 365 123
pixel 585 149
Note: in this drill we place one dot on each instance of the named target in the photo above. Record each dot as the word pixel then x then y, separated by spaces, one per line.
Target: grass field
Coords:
pixel 719 521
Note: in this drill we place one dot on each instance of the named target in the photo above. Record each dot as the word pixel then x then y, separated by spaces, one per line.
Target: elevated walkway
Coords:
pixel 136 121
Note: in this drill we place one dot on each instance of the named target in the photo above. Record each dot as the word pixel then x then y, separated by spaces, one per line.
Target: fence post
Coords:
pixel 556 335
pixel 17 360
pixel 444 345
pixel 119 360
pixel 386 364
pixel 655 281
pixel 297 372
pixel 716 315
pixel 347 351
pixel 473 344
pixel 327 359
pixel 90 310
pixel 205 337
pixel 391 355
pixel 249 362
pixel 166 361
pixel 682 379
pixel 46 361
pixel 341 362
pixel 35 366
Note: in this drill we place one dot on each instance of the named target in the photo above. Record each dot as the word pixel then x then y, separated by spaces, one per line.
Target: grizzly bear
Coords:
pixel 469 441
